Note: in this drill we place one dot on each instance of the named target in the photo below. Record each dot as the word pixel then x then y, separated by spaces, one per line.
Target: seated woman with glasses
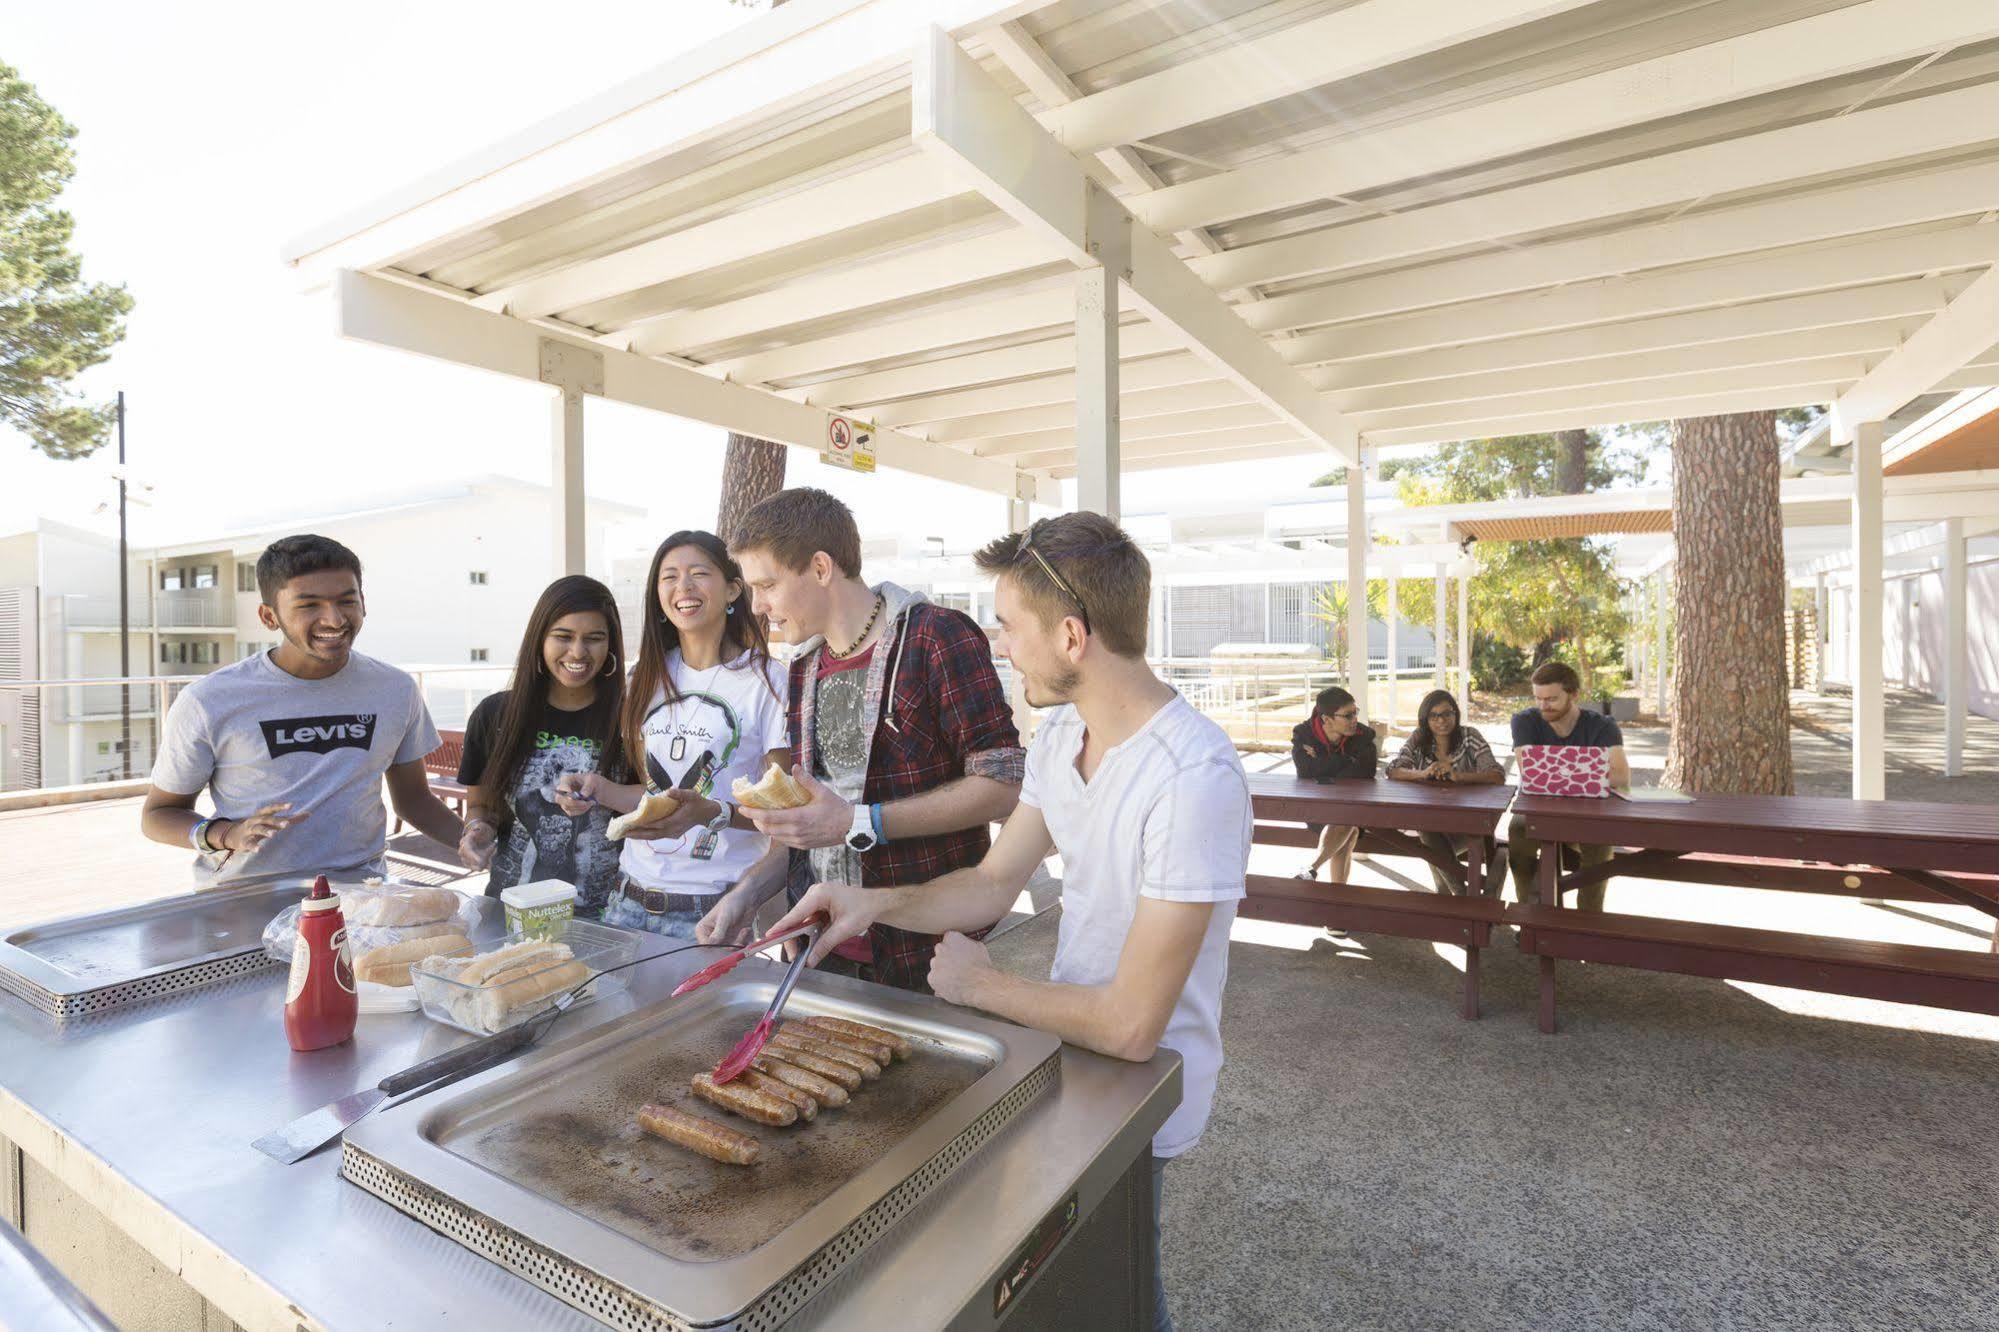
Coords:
pixel 1331 744
pixel 1440 749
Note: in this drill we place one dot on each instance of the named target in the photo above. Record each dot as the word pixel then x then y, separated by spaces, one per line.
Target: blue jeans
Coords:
pixel 626 914
pixel 1162 1318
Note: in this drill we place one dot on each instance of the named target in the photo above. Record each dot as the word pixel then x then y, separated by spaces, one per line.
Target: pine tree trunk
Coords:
pixel 752 470
pixel 1572 466
pixel 1731 705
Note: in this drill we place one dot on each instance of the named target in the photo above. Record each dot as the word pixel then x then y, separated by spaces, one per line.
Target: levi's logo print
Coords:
pixel 318 735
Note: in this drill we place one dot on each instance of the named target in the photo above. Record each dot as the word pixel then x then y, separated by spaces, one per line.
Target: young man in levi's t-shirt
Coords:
pixel 1144 798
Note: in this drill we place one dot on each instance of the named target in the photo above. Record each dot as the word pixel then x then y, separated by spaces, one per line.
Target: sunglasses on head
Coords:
pixel 1061 583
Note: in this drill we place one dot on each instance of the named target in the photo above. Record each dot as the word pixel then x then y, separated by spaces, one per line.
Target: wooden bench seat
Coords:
pixel 1464 921
pixel 1902 973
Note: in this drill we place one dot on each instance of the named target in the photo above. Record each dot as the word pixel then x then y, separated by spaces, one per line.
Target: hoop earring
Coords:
pixel 731 610
pixel 610 664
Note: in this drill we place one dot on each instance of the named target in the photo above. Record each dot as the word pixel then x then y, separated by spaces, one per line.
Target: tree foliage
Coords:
pixel 53 325
pixel 1549 598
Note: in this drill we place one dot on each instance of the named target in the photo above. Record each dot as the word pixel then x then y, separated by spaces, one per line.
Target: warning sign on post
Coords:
pixel 849 444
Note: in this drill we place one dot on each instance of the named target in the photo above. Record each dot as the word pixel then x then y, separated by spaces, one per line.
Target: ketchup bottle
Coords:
pixel 320 1002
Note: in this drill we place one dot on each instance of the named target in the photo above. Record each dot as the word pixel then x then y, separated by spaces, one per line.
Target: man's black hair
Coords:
pixel 1333 699
pixel 295 557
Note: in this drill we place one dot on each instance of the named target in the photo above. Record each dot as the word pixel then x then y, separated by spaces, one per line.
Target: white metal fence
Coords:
pixel 73 732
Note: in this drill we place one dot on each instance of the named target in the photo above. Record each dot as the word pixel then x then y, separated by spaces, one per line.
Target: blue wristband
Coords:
pixel 875 822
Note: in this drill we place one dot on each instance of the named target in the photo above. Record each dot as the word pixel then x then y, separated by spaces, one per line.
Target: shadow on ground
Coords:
pixel 1683 1154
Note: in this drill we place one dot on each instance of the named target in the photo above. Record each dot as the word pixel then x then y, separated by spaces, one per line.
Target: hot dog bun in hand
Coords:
pixel 777 789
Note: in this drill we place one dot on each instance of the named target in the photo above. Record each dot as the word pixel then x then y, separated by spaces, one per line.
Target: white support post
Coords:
pixel 1394 661
pixel 1358 541
pixel 1017 515
pixel 1107 237
pixel 1956 668
pixel 566 480
pixel 1870 716
pixel 1661 660
pixel 1464 638
pixel 1438 638
pixel 1821 631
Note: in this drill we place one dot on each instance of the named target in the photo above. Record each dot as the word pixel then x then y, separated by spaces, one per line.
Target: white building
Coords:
pixel 450 572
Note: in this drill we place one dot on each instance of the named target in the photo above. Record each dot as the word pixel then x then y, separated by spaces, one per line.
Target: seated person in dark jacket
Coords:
pixel 1334 743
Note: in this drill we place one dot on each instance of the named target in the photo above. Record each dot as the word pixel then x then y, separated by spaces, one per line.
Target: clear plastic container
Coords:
pixel 485 1009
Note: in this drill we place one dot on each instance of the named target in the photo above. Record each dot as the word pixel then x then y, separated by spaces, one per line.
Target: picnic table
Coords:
pixel 1876 847
pixel 1387 813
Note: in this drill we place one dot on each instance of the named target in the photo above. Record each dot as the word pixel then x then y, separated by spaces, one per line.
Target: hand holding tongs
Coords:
pixel 715 970
pixel 752 1044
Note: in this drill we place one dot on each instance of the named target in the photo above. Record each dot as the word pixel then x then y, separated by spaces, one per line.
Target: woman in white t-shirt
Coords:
pixel 705 706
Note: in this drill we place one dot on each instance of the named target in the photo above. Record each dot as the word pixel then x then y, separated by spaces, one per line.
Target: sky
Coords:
pixel 212 132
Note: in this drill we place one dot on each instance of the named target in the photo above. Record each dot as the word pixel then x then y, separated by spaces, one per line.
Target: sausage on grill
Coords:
pixel 845 1074
pixel 823 1090
pixel 717 1142
pixel 839 1054
pixel 860 1045
pixel 746 1101
pixel 808 1109
pixel 897 1045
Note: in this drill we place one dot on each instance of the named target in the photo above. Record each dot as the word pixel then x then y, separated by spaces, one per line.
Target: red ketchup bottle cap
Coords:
pixel 321 889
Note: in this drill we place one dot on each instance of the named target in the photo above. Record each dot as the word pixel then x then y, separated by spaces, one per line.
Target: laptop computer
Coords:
pixel 1564 770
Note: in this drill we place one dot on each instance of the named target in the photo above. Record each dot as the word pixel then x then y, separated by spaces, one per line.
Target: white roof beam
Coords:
pixel 1706 383
pixel 1208 458
pixel 1046 356
pixel 1964 329
pixel 1773 224
pixel 1150 427
pixel 1808 346
pixel 1056 454
pixel 1901 304
pixel 1366 36
pixel 1576 417
pixel 394 314
pixel 962 118
pixel 1019 52
pixel 899 185
pixel 1609 300
pixel 1151 372
pixel 1824 147
pixel 1132 406
pixel 1822 46
pixel 785 57
pixel 843 291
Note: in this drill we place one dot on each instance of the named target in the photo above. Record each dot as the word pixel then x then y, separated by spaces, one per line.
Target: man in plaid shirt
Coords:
pixel 899 725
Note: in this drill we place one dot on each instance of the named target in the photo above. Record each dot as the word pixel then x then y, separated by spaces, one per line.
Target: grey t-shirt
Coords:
pixel 253 735
pixel 842 734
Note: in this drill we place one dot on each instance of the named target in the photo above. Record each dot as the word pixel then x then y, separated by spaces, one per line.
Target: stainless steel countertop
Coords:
pixel 168 1094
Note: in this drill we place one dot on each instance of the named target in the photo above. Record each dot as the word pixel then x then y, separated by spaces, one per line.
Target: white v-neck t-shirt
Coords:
pixel 1166 816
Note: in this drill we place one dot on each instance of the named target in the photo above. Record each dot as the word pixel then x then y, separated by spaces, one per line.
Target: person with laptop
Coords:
pixel 1556 721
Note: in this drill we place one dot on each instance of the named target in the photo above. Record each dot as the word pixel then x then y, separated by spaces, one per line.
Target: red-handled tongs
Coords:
pixel 731 961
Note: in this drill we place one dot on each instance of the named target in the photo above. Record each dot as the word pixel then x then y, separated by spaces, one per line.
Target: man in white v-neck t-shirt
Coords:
pixel 1146 801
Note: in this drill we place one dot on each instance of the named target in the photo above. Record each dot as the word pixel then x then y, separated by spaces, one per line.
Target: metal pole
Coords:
pixel 1870 765
pixel 124 607
pixel 1955 665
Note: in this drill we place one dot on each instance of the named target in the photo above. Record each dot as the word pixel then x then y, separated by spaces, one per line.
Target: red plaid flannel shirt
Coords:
pixel 948 718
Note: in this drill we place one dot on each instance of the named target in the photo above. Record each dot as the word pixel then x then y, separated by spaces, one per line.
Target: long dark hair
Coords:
pixel 513 738
pixel 1426 739
pixel 741 632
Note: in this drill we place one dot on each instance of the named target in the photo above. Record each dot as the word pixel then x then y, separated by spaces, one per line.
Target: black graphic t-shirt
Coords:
pixel 540 841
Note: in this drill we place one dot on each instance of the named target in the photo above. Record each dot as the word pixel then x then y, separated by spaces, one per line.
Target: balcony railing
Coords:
pixel 180 608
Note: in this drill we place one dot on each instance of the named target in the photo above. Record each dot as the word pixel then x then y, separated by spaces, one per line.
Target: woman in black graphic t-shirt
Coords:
pixel 520 741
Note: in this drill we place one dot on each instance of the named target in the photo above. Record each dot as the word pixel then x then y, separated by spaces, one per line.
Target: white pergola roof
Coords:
pixel 1350 222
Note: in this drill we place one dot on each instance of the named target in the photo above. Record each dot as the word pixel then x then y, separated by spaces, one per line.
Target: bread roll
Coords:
pixel 655 805
pixel 498 1002
pixel 530 953
pixel 399 906
pixel 391 965
pixel 776 789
